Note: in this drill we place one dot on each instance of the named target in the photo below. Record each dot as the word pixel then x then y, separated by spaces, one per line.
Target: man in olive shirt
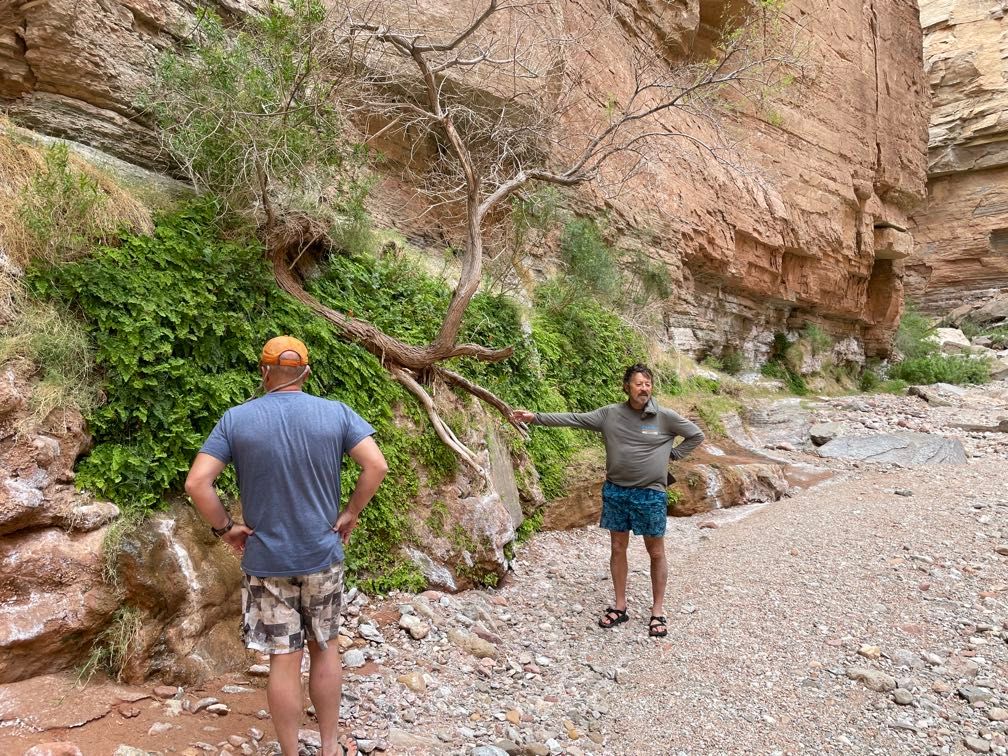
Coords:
pixel 639 440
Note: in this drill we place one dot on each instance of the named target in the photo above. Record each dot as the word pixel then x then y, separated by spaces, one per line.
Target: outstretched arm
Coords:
pixel 592 421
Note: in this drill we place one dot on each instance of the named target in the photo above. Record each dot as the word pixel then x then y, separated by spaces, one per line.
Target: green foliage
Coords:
pixel 913 334
pixel 817 339
pixel 732 361
pixel 248 111
pixel 780 370
pixel 112 649
pixel 710 409
pixel 997 334
pixel 941 368
pixel 177 319
pixel 781 365
pixel 924 362
pixel 591 265
pixel 529 527
pixel 60 208
pixel 437 519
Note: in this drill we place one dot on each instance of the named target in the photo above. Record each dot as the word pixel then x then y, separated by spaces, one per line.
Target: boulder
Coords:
pixel 950 340
pixel 785 421
pixel 906 449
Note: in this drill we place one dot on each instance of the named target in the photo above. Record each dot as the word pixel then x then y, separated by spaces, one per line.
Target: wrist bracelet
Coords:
pixel 218 532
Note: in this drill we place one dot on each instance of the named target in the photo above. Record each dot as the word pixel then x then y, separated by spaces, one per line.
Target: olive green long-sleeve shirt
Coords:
pixel 638 444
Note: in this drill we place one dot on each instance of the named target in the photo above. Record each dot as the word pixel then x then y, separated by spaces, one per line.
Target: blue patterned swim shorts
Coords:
pixel 642 510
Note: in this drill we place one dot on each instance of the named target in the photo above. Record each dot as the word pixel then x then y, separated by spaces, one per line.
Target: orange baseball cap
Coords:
pixel 278 345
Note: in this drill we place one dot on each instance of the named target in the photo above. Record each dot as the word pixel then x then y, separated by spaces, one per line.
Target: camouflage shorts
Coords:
pixel 281 613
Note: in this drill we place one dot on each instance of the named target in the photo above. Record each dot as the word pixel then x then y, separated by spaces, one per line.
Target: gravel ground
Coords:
pixel 868 615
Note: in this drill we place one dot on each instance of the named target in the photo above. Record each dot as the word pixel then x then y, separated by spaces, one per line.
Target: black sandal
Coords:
pixel 655 624
pixel 613 617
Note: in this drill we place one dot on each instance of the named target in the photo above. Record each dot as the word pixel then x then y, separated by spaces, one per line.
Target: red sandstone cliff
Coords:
pixel 822 237
pixel 962 232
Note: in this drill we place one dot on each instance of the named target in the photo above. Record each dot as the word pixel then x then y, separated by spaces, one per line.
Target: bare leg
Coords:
pixel 659 573
pixel 325 686
pixel 618 542
pixel 286 699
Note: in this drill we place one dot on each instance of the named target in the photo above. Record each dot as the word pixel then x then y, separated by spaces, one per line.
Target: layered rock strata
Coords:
pixel 962 232
pixel 820 235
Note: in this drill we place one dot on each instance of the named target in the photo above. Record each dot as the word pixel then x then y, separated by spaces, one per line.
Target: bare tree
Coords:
pixel 502 103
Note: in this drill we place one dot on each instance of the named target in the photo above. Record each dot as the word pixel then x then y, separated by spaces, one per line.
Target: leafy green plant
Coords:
pixel 924 362
pixel 710 409
pixel 817 339
pixel 590 263
pixel 913 336
pixel 941 368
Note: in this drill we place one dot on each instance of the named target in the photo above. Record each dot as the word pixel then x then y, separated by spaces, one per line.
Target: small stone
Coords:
pixel 203 703
pixel 1002 549
pixel 57 748
pixel 235 689
pixel 872 679
pixel 903 697
pixel 414 681
pixel 977 745
pixel 903 492
pixel 974 694
pixel 311 738
pixel 513 716
pixel 708 524
pixel 997 714
pixel 259 670
pixel 489 751
pixel 369 632
pixel 870 652
pixel 221 710
pixel 166 691
pixel 354 659
pixel 159 728
pixel 237 740
pixel 255 733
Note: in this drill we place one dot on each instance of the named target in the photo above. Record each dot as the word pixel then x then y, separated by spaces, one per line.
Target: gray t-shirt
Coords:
pixel 638 444
pixel 287 448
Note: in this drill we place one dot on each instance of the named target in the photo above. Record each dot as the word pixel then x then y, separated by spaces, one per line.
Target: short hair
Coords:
pixel 637 367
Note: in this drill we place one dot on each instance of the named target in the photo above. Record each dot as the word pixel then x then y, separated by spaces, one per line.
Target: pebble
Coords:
pixel 903 696
pixel 354 659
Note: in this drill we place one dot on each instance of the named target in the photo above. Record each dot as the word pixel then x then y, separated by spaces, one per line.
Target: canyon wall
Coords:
pixel 962 231
pixel 817 231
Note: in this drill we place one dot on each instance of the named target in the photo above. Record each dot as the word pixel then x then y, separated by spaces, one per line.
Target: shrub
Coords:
pixel 589 261
pixel 732 361
pixel 113 647
pixel 941 368
pixel 60 205
pixel 817 339
pixel 913 334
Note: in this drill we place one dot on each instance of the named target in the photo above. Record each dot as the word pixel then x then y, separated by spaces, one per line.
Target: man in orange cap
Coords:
pixel 287 448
